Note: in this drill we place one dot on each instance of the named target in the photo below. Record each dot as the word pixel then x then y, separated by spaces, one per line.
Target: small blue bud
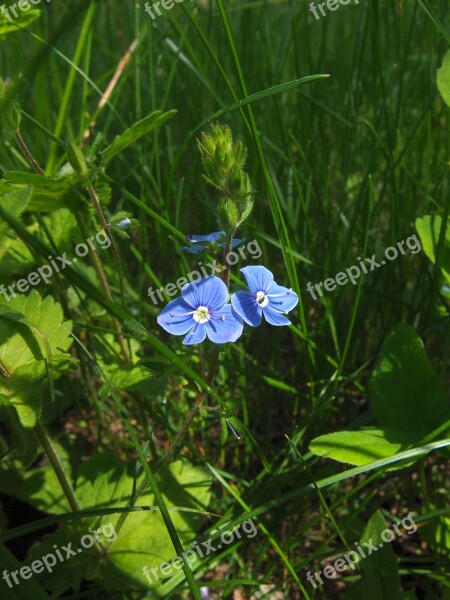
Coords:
pixel 123 224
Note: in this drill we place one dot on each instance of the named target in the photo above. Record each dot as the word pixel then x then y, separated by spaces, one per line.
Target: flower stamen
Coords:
pixel 201 315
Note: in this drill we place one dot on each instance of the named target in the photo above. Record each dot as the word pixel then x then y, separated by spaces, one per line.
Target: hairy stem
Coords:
pixel 105 287
pixel 28 154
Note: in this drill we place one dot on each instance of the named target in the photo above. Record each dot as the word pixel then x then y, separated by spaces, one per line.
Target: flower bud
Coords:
pixel 224 161
pixel 76 160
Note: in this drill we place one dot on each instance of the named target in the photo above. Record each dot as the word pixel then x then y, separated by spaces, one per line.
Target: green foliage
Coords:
pixel 15 24
pixel 407 399
pixel 34 344
pixel 362 447
pixel 429 229
pixel 405 389
pixel 443 79
pixel 380 577
pixel 142 540
pixel 136 131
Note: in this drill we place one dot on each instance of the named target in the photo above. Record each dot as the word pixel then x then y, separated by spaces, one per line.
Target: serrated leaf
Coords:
pixel 143 540
pixel 406 393
pixel 34 340
pixel 362 447
pixel 443 79
pixel 136 131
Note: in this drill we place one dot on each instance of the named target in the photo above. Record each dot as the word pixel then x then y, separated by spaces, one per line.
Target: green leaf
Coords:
pixel 406 393
pixel 49 193
pixel 429 228
pixel 436 532
pixel 136 131
pixel 39 486
pixel 143 539
pixel 443 79
pixel 34 340
pixel 14 203
pixel 380 577
pixel 27 588
pixel 362 447
pixel 24 19
pixel 137 378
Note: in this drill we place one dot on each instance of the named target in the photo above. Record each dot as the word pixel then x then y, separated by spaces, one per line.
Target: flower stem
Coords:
pixel 28 154
pixel 105 287
pixel 101 217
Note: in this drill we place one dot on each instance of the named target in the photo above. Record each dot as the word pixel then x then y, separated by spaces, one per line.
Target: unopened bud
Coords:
pixel 76 160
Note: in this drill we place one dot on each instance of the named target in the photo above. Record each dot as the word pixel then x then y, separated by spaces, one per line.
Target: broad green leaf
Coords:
pixel 429 228
pixel 380 579
pixel 443 79
pixel 14 24
pixel 143 539
pixel 26 588
pixel 136 131
pixel 406 393
pixel 34 340
pixel 362 447
pixel 14 203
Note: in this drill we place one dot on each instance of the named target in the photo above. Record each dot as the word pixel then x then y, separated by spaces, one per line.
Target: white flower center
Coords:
pixel 262 299
pixel 201 315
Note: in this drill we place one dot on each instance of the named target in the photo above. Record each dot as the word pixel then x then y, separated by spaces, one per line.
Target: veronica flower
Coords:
pixel 264 297
pixel 201 312
pixel 210 238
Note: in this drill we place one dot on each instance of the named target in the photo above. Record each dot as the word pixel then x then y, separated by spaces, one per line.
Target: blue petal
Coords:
pixel 246 306
pixel 208 291
pixel 227 330
pixel 234 244
pixel 196 335
pixel 274 317
pixel 194 249
pixel 176 317
pixel 209 237
pixel 281 298
pixel 259 279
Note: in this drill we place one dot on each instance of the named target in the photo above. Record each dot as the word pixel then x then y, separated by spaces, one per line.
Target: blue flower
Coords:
pixel 210 238
pixel 201 311
pixel 264 298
